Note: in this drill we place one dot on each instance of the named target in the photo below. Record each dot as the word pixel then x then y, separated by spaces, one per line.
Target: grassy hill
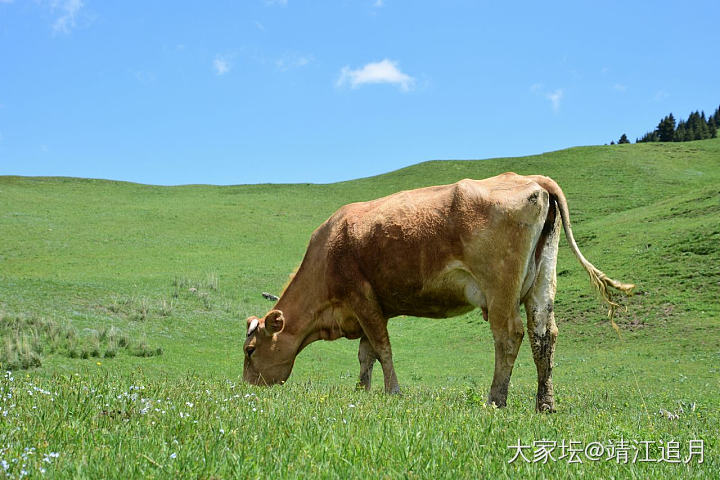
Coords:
pixel 112 285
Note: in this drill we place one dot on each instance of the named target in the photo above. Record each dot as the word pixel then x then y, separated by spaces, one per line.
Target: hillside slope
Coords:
pixel 96 252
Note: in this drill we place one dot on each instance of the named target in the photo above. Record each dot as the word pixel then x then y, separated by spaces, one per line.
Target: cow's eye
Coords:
pixel 249 351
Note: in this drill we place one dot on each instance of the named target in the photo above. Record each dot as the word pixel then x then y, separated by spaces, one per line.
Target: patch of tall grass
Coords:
pixel 25 340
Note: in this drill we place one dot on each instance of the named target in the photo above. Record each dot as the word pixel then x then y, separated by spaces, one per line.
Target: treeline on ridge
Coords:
pixel 696 127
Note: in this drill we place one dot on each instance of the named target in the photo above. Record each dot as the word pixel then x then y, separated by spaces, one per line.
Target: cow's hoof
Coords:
pixel 362 387
pixel 394 390
pixel 496 401
pixel 545 407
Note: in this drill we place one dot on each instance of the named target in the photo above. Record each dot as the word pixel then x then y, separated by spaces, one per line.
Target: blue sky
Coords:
pixel 256 91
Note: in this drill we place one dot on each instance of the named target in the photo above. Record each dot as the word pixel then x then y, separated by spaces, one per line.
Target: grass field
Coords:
pixel 123 306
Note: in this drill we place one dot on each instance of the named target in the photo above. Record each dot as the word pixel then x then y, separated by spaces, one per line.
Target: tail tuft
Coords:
pixel 603 283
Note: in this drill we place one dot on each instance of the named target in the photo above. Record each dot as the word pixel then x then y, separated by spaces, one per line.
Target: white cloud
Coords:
pixel 378 3
pixel 620 87
pixel 221 65
pixel 66 22
pixel 6 1
pixel 143 76
pixel 292 61
pixel 276 2
pixel 661 95
pixel 555 98
pixel 385 71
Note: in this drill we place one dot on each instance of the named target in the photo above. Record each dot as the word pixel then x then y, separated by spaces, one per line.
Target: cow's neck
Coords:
pixel 305 307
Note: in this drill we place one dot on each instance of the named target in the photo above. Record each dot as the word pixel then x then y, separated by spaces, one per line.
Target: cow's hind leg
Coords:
pixel 367 357
pixel 543 335
pixel 539 306
pixel 508 333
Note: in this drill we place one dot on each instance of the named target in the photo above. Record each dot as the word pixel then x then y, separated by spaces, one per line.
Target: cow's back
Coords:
pixel 423 250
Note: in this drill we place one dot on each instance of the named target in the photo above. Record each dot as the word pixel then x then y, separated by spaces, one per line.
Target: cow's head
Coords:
pixel 269 353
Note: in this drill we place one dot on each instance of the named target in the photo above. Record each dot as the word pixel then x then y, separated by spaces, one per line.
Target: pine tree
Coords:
pixel 648 137
pixel 694 124
pixel 666 128
pixel 703 131
pixel 623 139
pixel 680 132
pixel 704 127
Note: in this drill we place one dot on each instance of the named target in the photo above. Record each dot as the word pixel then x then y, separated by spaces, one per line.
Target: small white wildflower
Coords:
pixel 351 406
pixel 189 404
pixel 222 431
pixel 173 455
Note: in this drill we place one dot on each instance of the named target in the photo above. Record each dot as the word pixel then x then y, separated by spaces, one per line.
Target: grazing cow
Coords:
pixel 432 252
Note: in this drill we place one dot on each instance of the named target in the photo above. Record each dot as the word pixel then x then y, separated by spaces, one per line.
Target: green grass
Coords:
pixel 176 270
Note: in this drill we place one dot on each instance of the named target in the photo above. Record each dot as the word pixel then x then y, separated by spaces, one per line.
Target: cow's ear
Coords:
pixel 274 322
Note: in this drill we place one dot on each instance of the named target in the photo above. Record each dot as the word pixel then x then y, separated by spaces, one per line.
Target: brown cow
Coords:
pixel 432 252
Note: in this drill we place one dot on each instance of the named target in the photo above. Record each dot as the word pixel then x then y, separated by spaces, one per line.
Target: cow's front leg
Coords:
pixel 374 326
pixel 375 329
pixel 508 334
pixel 367 357
pixel 380 342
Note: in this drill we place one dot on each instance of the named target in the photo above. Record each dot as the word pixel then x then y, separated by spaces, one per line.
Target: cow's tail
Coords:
pixel 599 280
